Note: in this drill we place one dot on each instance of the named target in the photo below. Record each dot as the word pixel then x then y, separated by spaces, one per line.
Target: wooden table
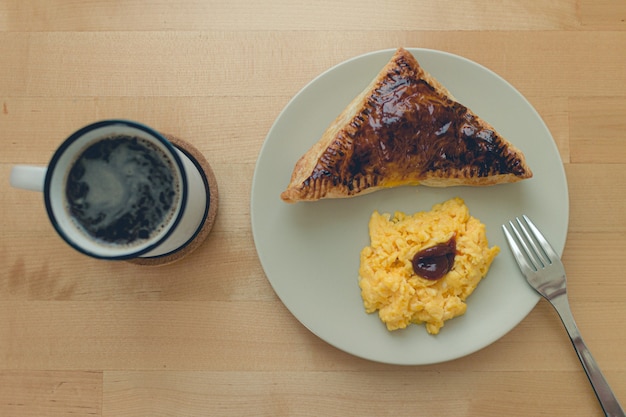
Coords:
pixel 208 335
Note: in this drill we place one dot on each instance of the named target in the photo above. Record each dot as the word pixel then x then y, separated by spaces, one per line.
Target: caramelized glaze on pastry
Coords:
pixel 405 128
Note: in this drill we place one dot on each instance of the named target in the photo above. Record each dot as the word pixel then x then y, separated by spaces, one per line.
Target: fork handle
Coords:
pixel 603 391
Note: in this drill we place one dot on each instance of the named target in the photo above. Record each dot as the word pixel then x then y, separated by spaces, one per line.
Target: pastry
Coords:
pixel 405 128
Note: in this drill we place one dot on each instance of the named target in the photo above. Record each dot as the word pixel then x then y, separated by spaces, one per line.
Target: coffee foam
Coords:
pixel 122 191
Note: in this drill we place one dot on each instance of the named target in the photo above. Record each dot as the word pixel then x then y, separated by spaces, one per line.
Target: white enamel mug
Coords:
pixel 187 209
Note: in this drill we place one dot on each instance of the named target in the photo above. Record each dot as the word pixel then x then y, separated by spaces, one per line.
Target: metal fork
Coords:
pixel 544 271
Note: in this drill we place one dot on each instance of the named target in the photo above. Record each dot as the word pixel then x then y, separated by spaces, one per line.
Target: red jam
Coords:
pixel 436 261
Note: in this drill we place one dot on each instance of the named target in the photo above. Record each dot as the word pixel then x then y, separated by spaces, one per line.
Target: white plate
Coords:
pixel 310 251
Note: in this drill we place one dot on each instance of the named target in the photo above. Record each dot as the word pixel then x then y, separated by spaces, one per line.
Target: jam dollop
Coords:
pixel 436 261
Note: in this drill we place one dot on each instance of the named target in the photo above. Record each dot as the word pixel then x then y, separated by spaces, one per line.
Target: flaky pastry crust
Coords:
pixel 404 128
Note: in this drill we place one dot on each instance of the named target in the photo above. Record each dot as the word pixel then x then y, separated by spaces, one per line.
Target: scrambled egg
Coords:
pixel 386 277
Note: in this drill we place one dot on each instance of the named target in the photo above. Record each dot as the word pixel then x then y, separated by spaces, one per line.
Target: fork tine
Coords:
pixel 545 245
pixel 542 256
pixel 520 258
pixel 530 255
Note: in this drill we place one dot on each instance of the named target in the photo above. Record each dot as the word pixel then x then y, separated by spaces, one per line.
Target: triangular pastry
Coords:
pixel 405 128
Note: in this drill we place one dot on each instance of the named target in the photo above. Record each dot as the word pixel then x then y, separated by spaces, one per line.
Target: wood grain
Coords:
pixel 208 336
pixel 49 393
pixel 337 394
pixel 299 15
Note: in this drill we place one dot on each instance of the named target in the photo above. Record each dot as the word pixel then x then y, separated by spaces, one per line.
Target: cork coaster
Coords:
pixel 211 185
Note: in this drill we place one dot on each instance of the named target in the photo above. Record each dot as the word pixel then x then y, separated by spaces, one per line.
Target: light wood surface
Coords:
pixel 208 336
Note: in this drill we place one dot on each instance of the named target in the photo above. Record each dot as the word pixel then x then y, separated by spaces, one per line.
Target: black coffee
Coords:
pixel 121 190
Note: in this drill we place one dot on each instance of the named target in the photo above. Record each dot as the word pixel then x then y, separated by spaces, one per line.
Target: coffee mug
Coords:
pixel 117 189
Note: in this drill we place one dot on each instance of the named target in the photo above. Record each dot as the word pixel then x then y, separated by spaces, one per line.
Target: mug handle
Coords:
pixel 28 177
